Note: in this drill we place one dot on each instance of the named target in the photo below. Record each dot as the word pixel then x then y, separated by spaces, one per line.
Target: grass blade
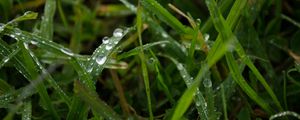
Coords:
pixel 154 7
pixel 47 20
pixel 91 97
pixel 139 24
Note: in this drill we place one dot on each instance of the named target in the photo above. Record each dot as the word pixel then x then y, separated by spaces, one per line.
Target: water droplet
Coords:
pixel 164 35
pixel 118 32
pixel 151 60
pixel 207 83
pixel 101 60
pixel 180 66
pixel 206 37
pixel 163 45
pixel 13 36
pixel 105 40
pixel 18 33
pixel 108 47
pixel 5 60
pixel 116 42
pixel 67 51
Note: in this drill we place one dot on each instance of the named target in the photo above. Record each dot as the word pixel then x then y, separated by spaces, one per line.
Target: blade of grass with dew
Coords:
pixel 30 65
pixel 200 102
pixel 139 24
pixel 218 50
pixel 237 76
pixel 227 34
pixel 7 58
pixel 29 15
pixel 49 78
pixel 284 114
pixel 25 68
pixel 47 20
pixel 136 50
pixel 91 97
pixel 211 109
pixel 27 111
pixel 38 41
pixel 20 35
pixel 154 7
pixel 78 109
pixel 100 55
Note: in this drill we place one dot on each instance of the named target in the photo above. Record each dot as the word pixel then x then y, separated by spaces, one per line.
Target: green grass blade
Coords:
pixel 48 77
pixel 237 76
pixel 7 58
pixel 101 54
pixel 91 97
pixel 34 76
pixel 136 50
pixel 4 87
pixel 200 102
pixel 154 7
pixel 47 20
pixel 139 25
pixel 27 111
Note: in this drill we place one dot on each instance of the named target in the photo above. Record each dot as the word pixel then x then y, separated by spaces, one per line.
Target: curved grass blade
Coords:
pixel 154 7
pixel 136 50
pixel 30 65
pixel 101 54
pixel 237 76
pixel 48 77
pixel 7 58
pixel 218 50
pixel 91 97
pixel 226 34
pixel 29 15
pixel 139 24
pixel 47 20
pixel 285 113
pixel 200 102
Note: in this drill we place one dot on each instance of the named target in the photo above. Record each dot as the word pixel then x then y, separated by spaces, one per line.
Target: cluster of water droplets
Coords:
pixel 108 43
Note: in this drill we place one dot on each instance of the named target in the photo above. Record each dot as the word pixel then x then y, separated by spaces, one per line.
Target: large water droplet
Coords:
pixel 108 47
pixel 164 35
pixel 101 60
pixel 206 37
pixel 207 83
pixel 105 40
pixel 180 66
pixel 118 32
pixel 67 51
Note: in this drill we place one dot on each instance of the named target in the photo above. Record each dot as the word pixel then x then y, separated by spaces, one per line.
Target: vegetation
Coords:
pixel 149 59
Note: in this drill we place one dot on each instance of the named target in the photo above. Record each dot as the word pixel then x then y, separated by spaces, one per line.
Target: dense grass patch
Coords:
pixel 149 59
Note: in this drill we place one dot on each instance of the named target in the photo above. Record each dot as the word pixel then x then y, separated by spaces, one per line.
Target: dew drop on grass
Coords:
pixel 67 51
pixel 180 66
pixel 164 35
pixel 118 32
pixel 206 37
pixel 101 60
pixel 105 40
pixel 207 83
pixel 108 47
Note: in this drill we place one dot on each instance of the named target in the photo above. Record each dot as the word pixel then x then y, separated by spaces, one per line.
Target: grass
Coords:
pixel 149 59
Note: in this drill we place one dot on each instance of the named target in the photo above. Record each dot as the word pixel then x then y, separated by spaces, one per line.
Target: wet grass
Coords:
pixel 149 59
